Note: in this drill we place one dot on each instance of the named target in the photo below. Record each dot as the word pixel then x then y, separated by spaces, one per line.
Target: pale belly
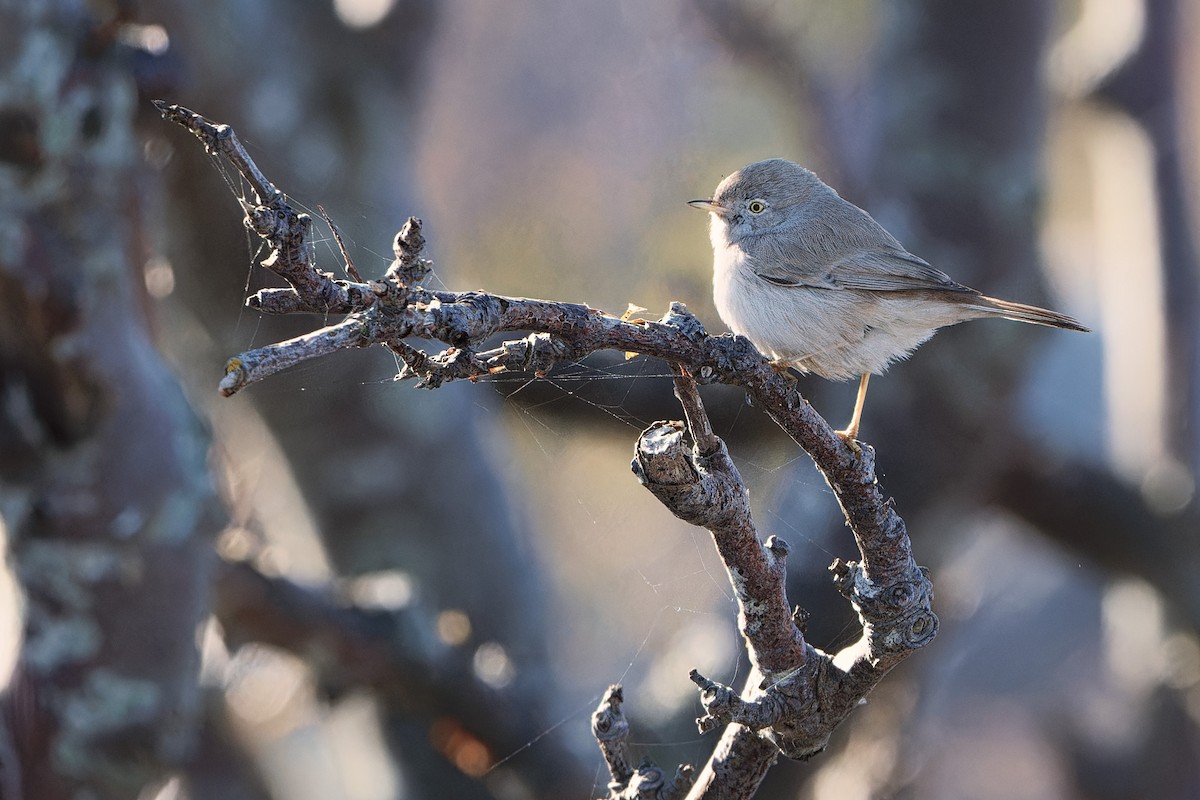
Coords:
pixel 835 333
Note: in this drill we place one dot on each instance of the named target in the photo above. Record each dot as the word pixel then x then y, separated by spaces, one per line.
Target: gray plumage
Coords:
pixel 816 283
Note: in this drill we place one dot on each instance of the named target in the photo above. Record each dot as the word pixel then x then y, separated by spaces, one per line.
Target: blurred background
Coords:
pixel 334 585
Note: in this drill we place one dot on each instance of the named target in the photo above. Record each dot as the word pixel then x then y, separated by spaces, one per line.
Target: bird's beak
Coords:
pixel 709 205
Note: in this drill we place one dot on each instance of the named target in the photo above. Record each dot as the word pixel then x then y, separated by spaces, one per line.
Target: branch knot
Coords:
pixel 897 617
pixel 409 268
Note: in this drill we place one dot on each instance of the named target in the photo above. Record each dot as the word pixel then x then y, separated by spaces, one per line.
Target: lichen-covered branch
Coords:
pixel 796 694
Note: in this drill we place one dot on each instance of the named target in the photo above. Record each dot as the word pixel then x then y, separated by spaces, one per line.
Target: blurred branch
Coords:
pixel 758 41
pixel 396 654
pixel 798 693
pixel 1092 512
pixel 1089 509
pixel 221 767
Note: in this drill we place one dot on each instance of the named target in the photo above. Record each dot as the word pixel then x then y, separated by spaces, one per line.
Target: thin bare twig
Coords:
pixel 347 261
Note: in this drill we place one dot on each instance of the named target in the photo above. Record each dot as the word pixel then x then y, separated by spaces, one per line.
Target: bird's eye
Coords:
pixel 756 207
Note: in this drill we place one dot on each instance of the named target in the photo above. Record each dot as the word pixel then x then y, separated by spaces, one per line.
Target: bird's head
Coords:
pixel 760 197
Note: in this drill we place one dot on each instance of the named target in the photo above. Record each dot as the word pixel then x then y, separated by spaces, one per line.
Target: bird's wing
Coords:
pixel 892 270
pixel 840 246
pixel 883 269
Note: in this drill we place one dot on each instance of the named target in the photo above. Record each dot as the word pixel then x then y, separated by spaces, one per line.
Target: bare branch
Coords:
pixel 289 232
pixel 611 730
pixel 221 139
pixel 698 423
pixel 267 361
pixel 351 270
pixel 796 694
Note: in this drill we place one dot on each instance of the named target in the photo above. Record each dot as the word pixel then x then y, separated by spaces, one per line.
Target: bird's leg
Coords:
pixel 850 433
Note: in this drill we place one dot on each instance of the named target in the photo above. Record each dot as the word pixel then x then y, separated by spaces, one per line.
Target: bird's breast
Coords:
pixel 729 263
pixel 747 304
pixel 838 334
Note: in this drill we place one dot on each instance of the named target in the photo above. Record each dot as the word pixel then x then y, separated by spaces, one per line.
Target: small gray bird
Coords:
pixel 817 284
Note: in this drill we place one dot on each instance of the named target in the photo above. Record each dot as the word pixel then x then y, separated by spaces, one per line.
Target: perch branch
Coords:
pixel 797 694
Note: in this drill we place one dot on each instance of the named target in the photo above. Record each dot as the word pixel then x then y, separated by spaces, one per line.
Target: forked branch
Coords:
pixel 796 694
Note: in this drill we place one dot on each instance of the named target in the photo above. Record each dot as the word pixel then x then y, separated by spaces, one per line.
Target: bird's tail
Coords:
pixel 1023 313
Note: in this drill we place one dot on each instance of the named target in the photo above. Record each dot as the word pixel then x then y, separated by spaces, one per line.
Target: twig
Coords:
pixel 289 232
pixel 611 730
pixel 347 261
pixel 693 412
pixel 219 139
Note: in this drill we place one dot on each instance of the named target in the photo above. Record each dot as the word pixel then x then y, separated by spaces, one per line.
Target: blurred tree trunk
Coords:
pixel 1147 87
pixel 104 485
pixel 957 109
pixel 395 478
pixel 959 104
